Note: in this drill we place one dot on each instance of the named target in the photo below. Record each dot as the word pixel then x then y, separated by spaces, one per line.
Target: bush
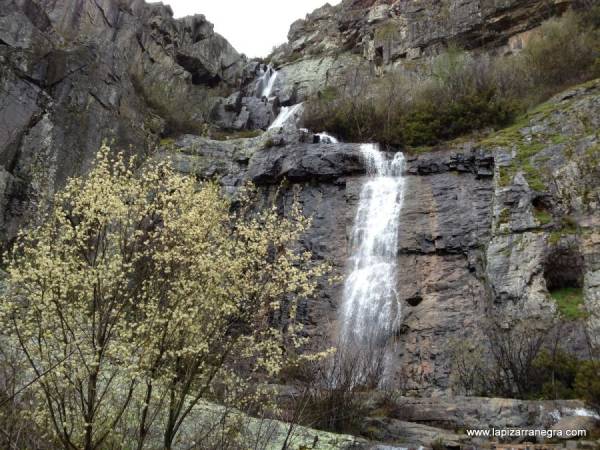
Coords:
pixel 521 362
pixel 332 388
pixel 562 52
pixel 469 368
pixel 587 383
pixel 459 97
pixel 143 295
pixel 431 122
pixel 556 372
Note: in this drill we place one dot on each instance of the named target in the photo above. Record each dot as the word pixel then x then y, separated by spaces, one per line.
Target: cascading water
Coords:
pixel 325 138
pixel 286 114
pixel 270 84
pixel 370 310
pixel 266 83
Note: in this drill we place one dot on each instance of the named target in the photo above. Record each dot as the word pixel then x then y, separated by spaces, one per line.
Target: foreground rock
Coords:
pixel 488 229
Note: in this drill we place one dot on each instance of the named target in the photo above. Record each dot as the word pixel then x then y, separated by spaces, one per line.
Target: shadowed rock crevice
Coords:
pixel 564 268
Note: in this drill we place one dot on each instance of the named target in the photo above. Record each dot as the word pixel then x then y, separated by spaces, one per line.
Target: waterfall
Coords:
pixel 269 87
pixel 286 114
pixel 326 138
pixel 266 83
pixel 370 310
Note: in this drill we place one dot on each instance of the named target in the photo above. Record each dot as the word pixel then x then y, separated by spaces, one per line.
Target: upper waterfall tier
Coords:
pixel 266 82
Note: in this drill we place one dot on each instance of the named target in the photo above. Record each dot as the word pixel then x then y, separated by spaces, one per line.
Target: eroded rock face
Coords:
pixel 334 44
pixel 76 73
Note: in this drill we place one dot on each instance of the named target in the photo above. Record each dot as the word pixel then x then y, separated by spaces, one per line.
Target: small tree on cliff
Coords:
pixel 141 294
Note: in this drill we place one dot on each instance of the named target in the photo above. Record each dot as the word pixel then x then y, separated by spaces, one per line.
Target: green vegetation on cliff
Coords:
pixel 569 301
pixel 462 92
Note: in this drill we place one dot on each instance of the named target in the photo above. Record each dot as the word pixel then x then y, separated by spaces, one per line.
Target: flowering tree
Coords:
pixel 142 294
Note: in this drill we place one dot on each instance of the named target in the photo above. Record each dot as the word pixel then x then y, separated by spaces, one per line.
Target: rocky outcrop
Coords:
pixel 76 73
pixel 482 247
pixel 335 44
pixel 546 203
pixel 414 421
pixel 393 29
pixel 454 413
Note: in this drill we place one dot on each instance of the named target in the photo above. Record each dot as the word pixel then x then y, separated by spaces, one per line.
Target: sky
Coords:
pixel 253 27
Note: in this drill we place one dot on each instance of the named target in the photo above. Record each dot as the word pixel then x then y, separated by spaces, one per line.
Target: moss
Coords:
pixel 569 302
pixel 512 138
pixel 509 136
pixel 533 175
pixel 558 139
pixel 167 142
pixel 504 216
pixel 542 216
pixel 223 135
pixel 555 237
pixel 505 176
pixel 529 150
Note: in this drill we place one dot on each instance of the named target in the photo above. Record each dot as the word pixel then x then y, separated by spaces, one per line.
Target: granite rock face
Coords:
pixel 76 73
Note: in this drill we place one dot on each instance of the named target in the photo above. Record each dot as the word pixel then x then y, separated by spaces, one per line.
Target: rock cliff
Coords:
pixel 335 44
pixel 76 73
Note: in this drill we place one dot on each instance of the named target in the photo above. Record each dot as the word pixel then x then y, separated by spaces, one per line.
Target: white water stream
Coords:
pixel 272 77
pixel 266 82
pixel 370 310
pixel 286 114
pixel 325 138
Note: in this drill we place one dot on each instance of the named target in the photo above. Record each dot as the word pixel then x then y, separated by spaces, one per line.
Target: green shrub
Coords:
pixel 432 122
pixel 542 216
pixel 569 302
pixel 562 52
pixel 587 383
pixel 438 444
pixel 556 372
pixel 522 363
pixel 427 121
